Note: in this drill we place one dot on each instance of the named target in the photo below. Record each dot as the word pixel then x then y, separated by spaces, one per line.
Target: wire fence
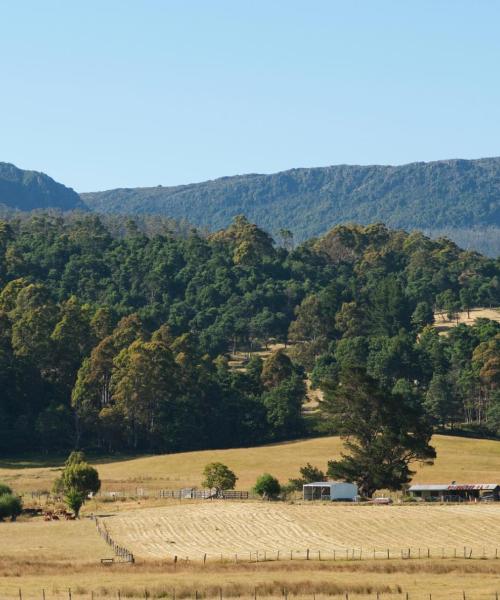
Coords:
pixel 221 593
pixel 336 554
pixel 119 550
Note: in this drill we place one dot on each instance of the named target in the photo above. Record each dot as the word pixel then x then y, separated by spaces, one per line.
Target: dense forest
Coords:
pixel 117 335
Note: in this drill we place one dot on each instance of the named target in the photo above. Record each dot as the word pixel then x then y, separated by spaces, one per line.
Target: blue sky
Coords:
pixel 105 93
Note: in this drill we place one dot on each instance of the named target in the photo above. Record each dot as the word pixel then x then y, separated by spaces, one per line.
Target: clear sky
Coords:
pixel 121 93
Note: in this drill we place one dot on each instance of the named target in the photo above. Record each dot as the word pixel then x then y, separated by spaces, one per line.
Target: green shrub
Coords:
pixel 10 506
pixel 267 486
pixel 4 489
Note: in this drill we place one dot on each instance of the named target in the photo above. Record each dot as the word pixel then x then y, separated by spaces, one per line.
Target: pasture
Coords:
pixel 460 459
pixel 229 529
pixel 58 557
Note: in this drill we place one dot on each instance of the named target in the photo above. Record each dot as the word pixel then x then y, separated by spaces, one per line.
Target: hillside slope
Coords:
pixel 454 195
pixel 460 459
pixel 30 190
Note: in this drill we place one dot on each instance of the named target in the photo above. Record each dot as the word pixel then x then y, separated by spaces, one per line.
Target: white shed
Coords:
pixel 330 490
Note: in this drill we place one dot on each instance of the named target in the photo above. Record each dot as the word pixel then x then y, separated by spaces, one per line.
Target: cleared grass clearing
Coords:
pixel 459 459
pixel 227 529
pixel 442 323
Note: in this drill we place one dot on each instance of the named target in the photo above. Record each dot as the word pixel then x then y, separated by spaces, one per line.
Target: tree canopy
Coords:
pixel 120 334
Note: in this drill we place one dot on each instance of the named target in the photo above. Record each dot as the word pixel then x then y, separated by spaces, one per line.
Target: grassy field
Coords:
pixel 459 459
pixel 242 528
pixel 443 324
pixel 55 556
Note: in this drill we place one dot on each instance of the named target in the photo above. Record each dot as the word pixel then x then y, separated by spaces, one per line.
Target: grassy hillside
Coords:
pixel 451 196
pixel 29 190
pixel 459 459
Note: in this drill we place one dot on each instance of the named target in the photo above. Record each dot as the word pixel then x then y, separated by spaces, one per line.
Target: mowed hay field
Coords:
pixel 459 459
pixel 228 529
pixel 58 557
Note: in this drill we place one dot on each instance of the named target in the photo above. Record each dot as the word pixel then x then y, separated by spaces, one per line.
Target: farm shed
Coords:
pixel 456 492
pixel 330 490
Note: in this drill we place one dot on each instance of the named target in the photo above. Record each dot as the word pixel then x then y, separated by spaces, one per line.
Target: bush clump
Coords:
pixel 267 487
pixel 10 506
pixel 4 489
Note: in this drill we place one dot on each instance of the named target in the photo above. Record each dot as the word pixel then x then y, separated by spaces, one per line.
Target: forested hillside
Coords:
pixel 118 340
pixel 29 190
pixel 458 197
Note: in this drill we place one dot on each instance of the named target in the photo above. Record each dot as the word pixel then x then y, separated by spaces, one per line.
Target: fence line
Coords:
pixel 120 551
pixel 220 594
pixel 178 494
pixel 341 554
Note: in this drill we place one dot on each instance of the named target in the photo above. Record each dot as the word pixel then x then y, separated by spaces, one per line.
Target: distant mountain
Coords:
pixel 456 198
pixel 445 195
pixel 30 190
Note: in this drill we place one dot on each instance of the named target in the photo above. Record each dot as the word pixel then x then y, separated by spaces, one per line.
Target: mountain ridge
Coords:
pixel 447 193
pixel 28 190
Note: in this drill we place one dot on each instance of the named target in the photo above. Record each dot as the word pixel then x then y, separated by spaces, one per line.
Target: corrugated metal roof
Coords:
pixel 428 488
pixel 324 483
pixel 453 487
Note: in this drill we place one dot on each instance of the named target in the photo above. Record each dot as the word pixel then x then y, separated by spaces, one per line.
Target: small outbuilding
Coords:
pixel 338 491
pixel 456 492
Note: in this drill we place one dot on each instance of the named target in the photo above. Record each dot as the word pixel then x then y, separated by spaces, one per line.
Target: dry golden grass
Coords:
pixel 57 542
pixel 231 529
pixel 459 459
pixel 443 324
pixel 57 556
pixel 362 580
